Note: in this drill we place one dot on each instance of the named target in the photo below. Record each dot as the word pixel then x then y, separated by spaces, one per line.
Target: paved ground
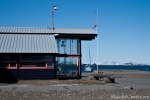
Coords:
pixel 120 83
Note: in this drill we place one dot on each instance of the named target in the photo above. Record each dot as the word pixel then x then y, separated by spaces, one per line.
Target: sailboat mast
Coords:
pixel 89 57
pixel 97 36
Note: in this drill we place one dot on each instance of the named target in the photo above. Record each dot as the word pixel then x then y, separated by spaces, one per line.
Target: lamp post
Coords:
pixel 53 8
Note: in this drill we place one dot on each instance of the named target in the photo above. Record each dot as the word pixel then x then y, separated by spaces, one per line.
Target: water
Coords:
pixel 118 67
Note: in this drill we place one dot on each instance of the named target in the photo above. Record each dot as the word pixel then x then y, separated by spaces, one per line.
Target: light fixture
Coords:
pixel 56 34
pixel 54 7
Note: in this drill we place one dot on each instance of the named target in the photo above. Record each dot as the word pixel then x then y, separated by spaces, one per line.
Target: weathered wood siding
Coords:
pixel 13 75
pixel 25 74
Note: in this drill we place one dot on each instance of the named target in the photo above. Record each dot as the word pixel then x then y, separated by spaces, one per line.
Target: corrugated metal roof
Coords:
pixel 27 43
pixel 47 30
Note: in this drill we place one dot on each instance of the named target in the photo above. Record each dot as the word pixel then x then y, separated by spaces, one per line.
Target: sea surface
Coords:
pixel 117 67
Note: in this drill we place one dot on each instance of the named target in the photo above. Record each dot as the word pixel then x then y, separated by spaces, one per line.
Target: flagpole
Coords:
pixel 97 36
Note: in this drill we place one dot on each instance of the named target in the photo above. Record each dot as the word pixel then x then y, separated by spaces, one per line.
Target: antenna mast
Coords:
pixel 53 8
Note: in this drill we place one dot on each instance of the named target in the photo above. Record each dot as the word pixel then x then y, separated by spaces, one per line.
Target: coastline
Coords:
pixel 122 73
pixel 118 67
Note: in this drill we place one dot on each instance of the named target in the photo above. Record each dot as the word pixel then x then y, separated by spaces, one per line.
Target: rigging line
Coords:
pixel 49 20
pixel 48 23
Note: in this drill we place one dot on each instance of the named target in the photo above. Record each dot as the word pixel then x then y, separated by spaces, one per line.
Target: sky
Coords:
pixel 123 25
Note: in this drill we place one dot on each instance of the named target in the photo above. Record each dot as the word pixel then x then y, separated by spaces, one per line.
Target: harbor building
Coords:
pixel 41 53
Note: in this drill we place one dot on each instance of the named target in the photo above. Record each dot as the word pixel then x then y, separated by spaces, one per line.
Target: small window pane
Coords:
pixel 12 64
pixel 33 64
pixel 75 66
pixel 68 66
pixel 68 46
pixel 8 58
pixel 49 64
pixel 62 46
pixel 75 46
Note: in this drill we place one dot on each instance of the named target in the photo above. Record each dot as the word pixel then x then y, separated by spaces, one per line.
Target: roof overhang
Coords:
pixel 81 36
pixel 83 33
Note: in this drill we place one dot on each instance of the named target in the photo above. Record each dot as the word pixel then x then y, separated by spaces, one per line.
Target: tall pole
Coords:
pixel 97 36
pixel 53 8
pixel 52 18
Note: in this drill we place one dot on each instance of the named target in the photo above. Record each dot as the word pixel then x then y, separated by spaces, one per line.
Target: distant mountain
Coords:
pixel 147 63
pixel 118 63
pixel 129 63
pixel 111 63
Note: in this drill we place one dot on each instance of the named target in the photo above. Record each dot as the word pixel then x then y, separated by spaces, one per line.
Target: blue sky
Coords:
pixel 123 25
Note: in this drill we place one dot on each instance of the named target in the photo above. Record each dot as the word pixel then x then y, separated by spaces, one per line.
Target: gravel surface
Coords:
pixel 113 94
pixel 55 82
pixel 89 94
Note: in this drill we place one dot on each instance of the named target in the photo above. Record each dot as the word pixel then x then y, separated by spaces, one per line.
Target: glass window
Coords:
pixel 67 67
pixel 36 61
pixel 6 61
pixel 8 58
pixel 62 46
pixel 32 64
pixel 49 64
pixel 61 66
pixel 58 44
pixel 68 46
pixel 13 64
pixel 75 46
pixel 75 66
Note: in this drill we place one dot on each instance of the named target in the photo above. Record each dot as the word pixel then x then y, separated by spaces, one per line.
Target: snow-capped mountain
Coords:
pixel 111 63
pixel 129 63
pixel 147 63
pixel 125 63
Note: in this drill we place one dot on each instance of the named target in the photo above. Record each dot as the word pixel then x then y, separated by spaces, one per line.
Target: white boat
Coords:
pixel 88 66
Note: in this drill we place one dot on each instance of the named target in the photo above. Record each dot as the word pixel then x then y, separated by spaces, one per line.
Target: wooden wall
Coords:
pixel 36 74
pixel 13 75
pixel 8 75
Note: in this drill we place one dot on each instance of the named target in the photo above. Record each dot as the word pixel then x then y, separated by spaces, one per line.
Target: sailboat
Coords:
pixel 88 66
